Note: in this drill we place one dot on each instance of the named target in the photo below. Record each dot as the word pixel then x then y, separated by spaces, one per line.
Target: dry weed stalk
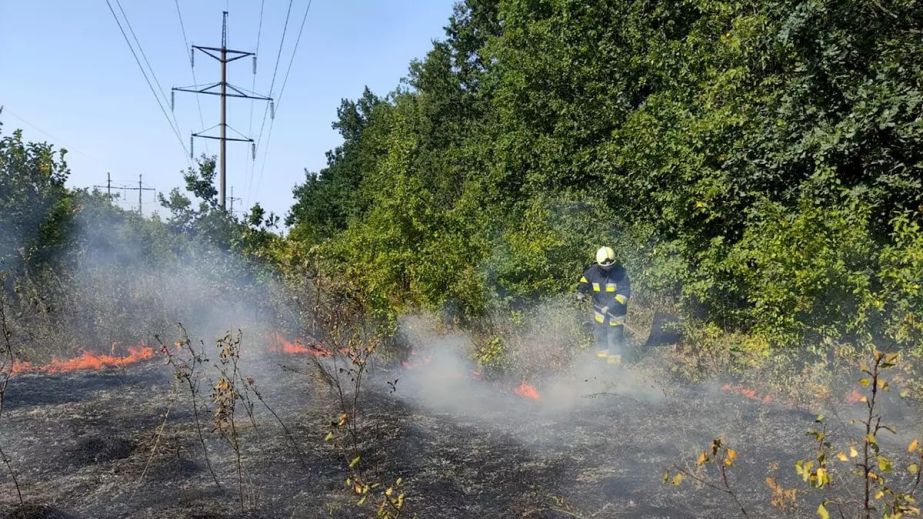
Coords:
pixel 224 397
pixel 879 495
pixel 157 436
pixel 187 362
pixel 6 374
pixel 711 470
pixel 345 355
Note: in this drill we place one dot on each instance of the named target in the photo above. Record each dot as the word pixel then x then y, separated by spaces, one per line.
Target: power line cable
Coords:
pixel 259 32
pixel 198 103
pixel 292 60
pixel 60 143
pixel 272 84
pixel 131 31
pixel 147 80
pixel 275 69
pixel 282 91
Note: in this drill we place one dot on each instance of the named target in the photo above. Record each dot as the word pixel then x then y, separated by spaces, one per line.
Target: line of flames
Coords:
pixel 89 361
pixel 852 397
pixel 279 344
pixel 86 361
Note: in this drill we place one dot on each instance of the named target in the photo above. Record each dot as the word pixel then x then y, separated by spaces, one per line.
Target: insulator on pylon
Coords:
pixel 272 109
pixel 192 58
pixel 254 64
pixel 253 150
pixel 191 147
pixel 172 100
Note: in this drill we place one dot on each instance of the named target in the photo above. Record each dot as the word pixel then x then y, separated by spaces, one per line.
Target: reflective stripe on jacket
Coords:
pixel 610 288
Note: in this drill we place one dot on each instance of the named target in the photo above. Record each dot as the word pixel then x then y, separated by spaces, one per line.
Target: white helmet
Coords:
pixel 605 256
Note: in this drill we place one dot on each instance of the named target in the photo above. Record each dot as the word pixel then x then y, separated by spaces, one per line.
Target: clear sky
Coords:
pixel 68 77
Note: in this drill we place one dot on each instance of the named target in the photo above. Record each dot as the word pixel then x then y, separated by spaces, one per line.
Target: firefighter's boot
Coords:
pixel 614 352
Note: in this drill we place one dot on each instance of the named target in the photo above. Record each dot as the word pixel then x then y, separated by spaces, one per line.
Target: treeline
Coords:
pixel 77 272
pixel 758 166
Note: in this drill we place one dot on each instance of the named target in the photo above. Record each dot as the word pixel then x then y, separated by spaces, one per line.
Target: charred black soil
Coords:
pixel 123 443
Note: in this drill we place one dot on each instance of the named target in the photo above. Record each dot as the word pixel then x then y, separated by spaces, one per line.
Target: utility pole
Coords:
pixel 223 55
pixel 108 186
pixel 140 189
pixel 231 200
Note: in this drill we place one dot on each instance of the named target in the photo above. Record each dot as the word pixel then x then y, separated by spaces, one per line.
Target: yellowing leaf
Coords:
pixel 913 468
pixel 842 456
pixel 864 382
pixel 822 512
pixel 329 436
pixel 853 452
pixel 879 494
pixel 731 456
pixel 823 477
pixel 354 462
pixel 703 457
pixel 913 445
pixel 677 479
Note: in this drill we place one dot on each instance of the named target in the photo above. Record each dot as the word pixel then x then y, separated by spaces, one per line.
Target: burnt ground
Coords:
pixel 88 445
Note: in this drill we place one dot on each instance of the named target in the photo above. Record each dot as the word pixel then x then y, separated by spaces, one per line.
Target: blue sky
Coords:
pixel 70 79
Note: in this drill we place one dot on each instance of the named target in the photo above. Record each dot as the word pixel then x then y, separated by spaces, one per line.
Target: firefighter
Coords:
pixel 608 281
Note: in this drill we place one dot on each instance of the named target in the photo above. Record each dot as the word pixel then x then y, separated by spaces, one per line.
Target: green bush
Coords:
pixel 808 273
pixel 901 296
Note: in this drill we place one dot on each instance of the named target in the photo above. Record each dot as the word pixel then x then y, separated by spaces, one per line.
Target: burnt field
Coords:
pixel 123 442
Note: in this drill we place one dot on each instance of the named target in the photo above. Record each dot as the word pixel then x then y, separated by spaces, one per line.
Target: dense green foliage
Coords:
pixel 758 166
pixel 32 199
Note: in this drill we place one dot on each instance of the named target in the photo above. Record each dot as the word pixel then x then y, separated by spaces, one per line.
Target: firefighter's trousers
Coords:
pixel 609 330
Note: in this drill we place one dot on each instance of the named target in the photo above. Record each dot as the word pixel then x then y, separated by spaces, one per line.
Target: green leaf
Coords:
pixel 884 463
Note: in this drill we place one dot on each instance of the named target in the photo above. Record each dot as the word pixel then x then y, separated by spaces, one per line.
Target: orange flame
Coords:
pixel 280 344
pixel 854 397
pixel 527 390
pixel 747 392
pixel 86 361
pixel 416 360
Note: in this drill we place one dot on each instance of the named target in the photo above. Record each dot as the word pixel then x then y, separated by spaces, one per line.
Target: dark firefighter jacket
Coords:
pixel 611 290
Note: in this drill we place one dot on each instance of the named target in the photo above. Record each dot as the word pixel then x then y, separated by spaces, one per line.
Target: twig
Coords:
pixel 6 373
pixel 288 433
pixel 157 437
pixel 190 375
